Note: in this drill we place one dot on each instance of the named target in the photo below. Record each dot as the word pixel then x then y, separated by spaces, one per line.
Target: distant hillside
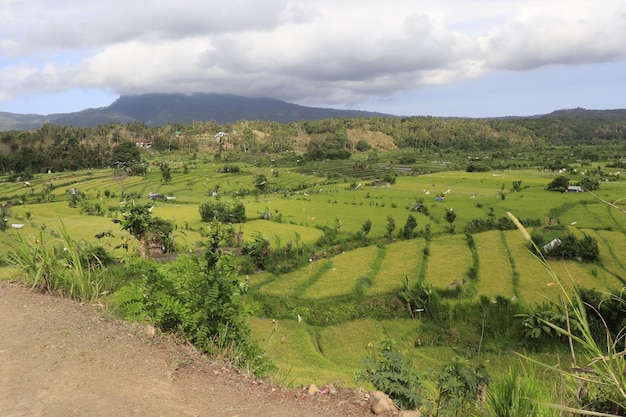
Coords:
pixel 161 109
pixel 579 113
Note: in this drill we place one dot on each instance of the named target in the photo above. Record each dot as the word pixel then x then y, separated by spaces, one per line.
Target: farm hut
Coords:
pixel 155 196
pixel 575 189
pixel 144 143
pixel 551 245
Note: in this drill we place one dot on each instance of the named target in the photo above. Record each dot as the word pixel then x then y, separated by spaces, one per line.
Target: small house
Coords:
pixel 144 143
pixel 551 245
pixel 575 189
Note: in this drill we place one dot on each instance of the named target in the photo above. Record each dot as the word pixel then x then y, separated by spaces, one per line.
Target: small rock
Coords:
pixel 381 406
pixel 313 389
pixel 150 330
pixel 378 395
pixel 283 339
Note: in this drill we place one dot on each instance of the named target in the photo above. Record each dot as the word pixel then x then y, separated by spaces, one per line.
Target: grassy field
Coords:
pixel 448 262
pixel 496 273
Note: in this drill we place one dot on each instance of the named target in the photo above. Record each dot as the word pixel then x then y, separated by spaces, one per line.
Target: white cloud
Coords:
pixel 319 51
pixel 588 33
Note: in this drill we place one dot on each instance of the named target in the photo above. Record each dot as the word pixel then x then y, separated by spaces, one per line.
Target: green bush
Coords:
pixel 227 212
pixel 393 373
pixel 203 298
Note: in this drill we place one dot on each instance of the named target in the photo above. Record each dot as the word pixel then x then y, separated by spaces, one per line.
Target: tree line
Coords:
pixel 58 148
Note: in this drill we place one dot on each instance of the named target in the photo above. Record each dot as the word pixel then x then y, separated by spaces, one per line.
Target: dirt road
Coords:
pixel 60 358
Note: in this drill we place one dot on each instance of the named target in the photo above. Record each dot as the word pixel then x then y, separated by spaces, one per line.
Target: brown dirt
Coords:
pixel 61 358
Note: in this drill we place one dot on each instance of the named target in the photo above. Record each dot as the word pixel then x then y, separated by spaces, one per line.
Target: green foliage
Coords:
pixel 160 233
pixel 139 223
pixel 421 298
pixel 261 183
pixel 538 325
pixel 363 284
pixel 203 298
pixel 393 373
pixel 587 248
pixel 409 227
pixel 137 169
pixel 258 249
pixel 450 216
pixel 595 384
pixel 223 211
pixel 459 387
pixel 166 173
pixel 391 225
pixel 362 146
pixel 513 394
pixel 366 227
pixel 567 246
pixel 605 312
pixel 66 269
pixel 560 183
pixel 125 153
pixel 589 183
pixel 230 168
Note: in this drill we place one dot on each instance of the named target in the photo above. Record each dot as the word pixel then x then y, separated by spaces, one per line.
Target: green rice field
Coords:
pixel 303 209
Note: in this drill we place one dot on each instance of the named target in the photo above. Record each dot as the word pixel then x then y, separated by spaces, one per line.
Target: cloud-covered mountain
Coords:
pixel 161 109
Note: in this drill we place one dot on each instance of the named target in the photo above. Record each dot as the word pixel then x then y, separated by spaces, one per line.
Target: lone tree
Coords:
pixel 366 227
pixel 260 182
pixel 391 225
pixel 139 223
pixel 126 153
pixel 409 227
pixel 450 218
pixel 166 173
pixel 559 184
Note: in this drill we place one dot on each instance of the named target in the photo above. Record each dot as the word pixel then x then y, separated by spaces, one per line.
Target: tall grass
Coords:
pixel 512 394
pixel 58 266
pixel 597 379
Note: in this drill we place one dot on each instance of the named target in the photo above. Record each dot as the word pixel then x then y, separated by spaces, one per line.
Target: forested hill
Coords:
pixel 551 142
pixel 161 109
pixel 578 113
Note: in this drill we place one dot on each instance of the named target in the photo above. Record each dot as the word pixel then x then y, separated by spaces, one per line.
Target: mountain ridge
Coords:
pixel 158 109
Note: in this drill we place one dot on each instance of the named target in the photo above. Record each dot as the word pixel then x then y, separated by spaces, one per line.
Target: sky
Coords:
pixel 463 58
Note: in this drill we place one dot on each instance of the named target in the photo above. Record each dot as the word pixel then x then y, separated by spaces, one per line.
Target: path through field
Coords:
pixel 60 358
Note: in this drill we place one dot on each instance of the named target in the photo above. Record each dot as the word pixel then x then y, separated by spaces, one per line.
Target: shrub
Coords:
pixel 409 227
pixel 222 211
pixel 394 374
pixel 203 298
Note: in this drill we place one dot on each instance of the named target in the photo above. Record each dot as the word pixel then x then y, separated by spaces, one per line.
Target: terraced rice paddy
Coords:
pixel 496 273
pixel 448 262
